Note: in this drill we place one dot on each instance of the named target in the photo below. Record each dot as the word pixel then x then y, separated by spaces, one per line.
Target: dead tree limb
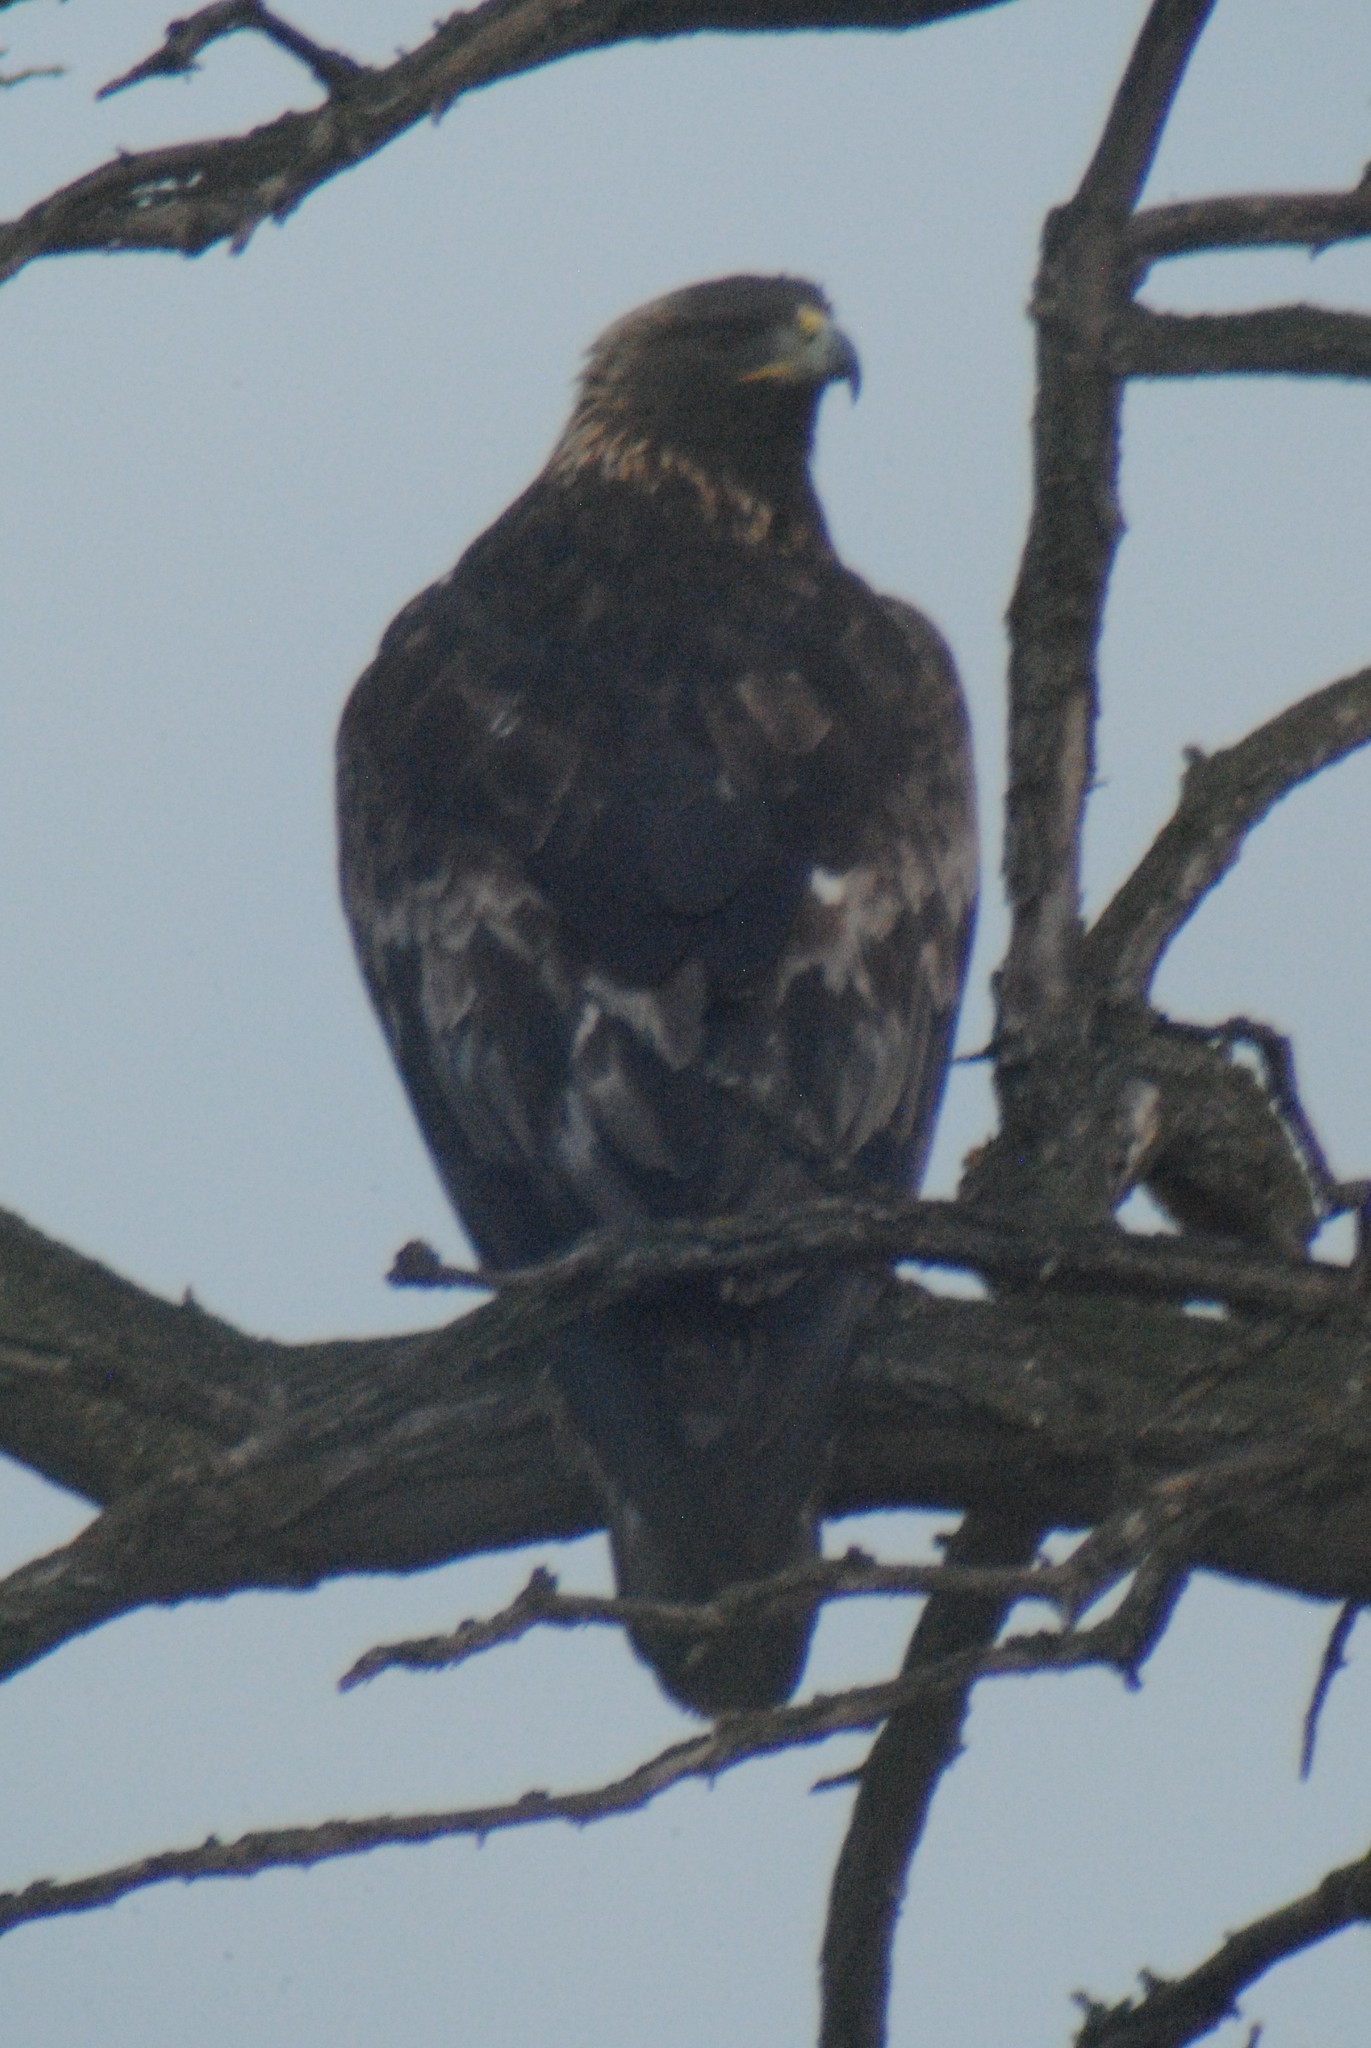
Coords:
pixel 188 197
pixel 1118 1643
pixel 1223 796
pixel 1172 2013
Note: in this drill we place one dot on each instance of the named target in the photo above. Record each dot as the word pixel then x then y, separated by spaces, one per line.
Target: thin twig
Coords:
pixel 1331 1663
pixel 1161 1522
pixel 1170 2014
pixel 936 1233
pixel 541 1604
pixel 1112 1643
pixel 9 78
pixel 187 38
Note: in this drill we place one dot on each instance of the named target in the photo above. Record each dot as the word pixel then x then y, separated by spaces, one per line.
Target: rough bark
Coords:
pixel 224 1461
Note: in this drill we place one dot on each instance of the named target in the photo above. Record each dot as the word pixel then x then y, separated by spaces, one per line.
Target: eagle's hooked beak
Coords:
pixel 810 349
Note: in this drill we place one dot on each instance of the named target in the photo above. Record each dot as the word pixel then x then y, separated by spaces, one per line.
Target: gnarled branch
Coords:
pixel 1055 614
pixel 1116 1643
pixel 298 1462
pixel 189 197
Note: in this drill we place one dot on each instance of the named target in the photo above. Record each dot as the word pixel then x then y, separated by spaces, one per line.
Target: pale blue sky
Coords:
pixel 221 479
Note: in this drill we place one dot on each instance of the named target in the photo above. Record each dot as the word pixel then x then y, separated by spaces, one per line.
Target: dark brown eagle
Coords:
pixel 658 847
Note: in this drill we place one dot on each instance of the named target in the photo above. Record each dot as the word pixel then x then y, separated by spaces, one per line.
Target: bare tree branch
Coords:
pixel 843 1231
pixel 1331 1663
pixel 1170 2014
pixel 1057 605
pixel 853 1576
pixel 193 195
pixel 300 1462
pixel 1278 341
pixel 1075 1399
pixel 1126 149
pixel 9 78
pixel 186 39
pixel 104 1387
pixel 1234 1153
pixel 1116 1643
pixel 1312 220
pixel 895 1793
pixel 1223 796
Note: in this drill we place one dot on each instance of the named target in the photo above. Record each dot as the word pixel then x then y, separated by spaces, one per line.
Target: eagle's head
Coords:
pixel 719 380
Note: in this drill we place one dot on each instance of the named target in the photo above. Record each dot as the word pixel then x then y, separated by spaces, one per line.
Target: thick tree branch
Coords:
pixel 1223 796
pixel 304 1461
pixel 103 1386
pixel 1170 2014
pixel 895 1792
pixel 188 197
pixel 1278 341
pixel 1132 133
pixel 1058 603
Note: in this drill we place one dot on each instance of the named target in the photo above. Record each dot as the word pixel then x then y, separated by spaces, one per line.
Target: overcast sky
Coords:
pixel 221 479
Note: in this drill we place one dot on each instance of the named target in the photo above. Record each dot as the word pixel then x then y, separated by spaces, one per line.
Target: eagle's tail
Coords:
pixel 709 1422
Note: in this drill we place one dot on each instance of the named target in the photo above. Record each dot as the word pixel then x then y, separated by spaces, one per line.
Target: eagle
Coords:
pixel 658 848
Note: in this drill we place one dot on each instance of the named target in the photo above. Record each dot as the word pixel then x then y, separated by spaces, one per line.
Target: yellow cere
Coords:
pixel 810 320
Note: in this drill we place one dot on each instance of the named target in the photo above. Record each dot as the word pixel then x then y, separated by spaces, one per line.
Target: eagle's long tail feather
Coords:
pixel 709 1421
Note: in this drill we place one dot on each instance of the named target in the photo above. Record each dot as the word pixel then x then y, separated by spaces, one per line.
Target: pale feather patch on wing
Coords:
pixel 442 914
pixel 668 1018
pixel 878 949
pixel 845 920
pixel 601 1078
pixel 843 916
pixel 457 925
pixel 940 972
pixel 944 869
pixel 486 1099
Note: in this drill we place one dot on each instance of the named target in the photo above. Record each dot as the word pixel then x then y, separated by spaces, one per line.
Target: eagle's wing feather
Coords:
pixel 658 850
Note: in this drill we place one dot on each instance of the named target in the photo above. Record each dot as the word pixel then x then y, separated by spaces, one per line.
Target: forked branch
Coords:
pixel 1058 603
pixel 186 39
pixel 1071 1588
pixel 1116 1643
pixel 191 196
